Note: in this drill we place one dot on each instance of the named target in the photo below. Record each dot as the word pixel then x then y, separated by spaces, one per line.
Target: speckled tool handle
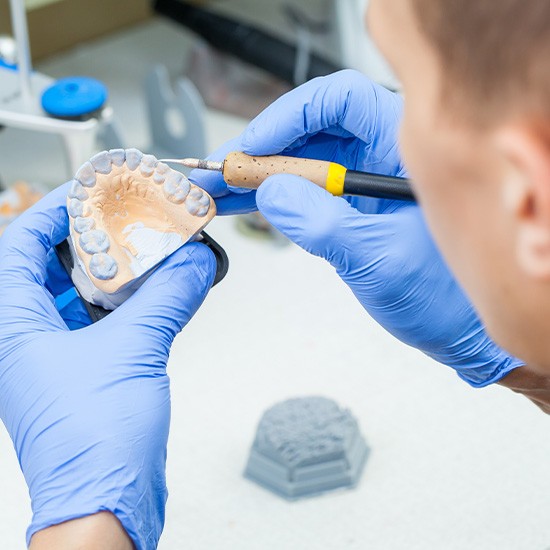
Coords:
pixel 242 170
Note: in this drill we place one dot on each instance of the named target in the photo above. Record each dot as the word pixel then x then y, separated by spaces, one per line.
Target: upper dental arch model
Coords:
pixel 127 213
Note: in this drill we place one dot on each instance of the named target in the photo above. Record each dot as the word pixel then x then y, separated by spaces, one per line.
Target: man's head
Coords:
pixel 495 54
pixel 476 140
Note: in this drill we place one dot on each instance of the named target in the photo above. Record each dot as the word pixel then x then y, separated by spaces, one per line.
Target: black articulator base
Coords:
pixel 97 313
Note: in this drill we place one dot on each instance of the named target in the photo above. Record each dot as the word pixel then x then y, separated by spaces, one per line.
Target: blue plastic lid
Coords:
pixel 74 96
pixel 7 65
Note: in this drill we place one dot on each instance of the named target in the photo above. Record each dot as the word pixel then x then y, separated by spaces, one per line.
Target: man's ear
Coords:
pixel 525 155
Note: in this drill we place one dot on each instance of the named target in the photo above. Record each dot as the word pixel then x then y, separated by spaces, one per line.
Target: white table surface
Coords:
pixel 451 467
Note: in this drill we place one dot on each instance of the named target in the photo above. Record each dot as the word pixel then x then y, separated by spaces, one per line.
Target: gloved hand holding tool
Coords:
pixel 380 248
pixel 88 411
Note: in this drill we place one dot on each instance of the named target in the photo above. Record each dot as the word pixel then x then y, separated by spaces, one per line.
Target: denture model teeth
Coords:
pixel 127 213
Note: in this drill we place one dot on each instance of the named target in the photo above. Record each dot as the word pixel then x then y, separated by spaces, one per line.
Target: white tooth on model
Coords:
pixel 83 224
pixel 77 191
pixel 77 208
pixel 147 165
pixel 102 162
pixel 204 206
pixel 192 206
pixel 197 203
pixel 133 158
pixel 160 172
pixel 118 156
pixel 94 241
pixel 86 174
pixel 103 266
pixel 176 187
pixel 204 200
pixel 196 193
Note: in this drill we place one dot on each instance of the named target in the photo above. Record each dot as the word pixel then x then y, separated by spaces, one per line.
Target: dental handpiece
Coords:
pixel 242 170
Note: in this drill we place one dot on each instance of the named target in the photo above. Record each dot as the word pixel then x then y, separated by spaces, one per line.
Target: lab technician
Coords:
pixel 88 410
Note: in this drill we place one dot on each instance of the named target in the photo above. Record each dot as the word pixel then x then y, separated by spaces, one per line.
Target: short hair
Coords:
pixel 495 55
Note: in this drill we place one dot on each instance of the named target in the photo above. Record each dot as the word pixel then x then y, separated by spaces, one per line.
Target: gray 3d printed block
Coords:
pixel 306 446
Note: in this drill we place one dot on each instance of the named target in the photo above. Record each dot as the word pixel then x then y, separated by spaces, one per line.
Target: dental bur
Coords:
pixel 242 170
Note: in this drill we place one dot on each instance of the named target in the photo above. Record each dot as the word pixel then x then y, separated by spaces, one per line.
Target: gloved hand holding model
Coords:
pixel 380 248
pixel 88 411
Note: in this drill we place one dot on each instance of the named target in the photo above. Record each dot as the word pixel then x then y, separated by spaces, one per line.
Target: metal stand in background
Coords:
pixel 176 116
pixel 20 92
pixel 19 27
pixel 305 29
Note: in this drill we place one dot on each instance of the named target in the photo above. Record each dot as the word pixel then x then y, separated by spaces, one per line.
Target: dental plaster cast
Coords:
pixel 127 213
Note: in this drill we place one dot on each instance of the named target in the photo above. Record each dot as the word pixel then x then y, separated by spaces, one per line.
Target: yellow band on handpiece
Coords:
pixel 335 179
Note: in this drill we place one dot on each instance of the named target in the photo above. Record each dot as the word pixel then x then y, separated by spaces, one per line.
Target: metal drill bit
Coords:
pixel 197 163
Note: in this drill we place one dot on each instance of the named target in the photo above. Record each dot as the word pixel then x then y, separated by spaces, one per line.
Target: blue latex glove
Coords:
pixel 380 248
pixel 343 117
pixel 89 410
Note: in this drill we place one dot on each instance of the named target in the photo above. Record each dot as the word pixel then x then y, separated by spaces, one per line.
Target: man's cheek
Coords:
pixel 412 152
pixel 404 145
